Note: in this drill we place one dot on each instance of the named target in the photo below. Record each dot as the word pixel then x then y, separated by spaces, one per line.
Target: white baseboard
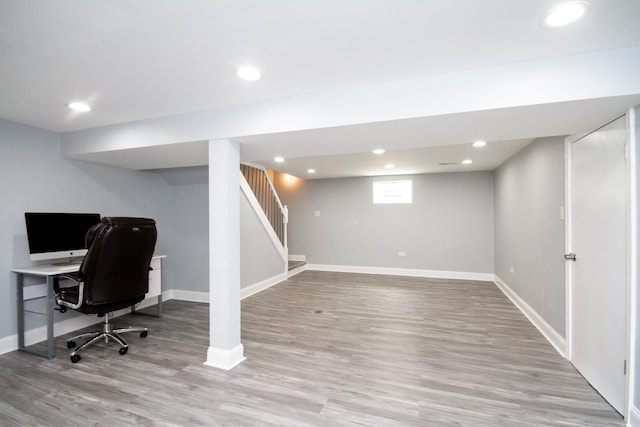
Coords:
pixel 261 286
pixel 555 339
pixel 634 417
pixel 302 258
pixel 225 359
pixel 198 296
pixel 192 296
pixel 8 343
pixel 435 274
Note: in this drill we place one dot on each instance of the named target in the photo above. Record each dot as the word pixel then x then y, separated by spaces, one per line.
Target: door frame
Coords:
pixel 631 309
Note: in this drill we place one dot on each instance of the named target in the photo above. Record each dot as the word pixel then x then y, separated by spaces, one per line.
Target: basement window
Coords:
pixel 392 192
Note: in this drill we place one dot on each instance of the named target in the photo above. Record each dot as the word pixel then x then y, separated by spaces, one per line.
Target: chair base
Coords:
pixel 107 333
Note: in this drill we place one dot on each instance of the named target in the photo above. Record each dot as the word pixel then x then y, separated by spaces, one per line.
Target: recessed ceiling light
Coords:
pixel 479 143
pixel 467 162
pixel 248 72
pixel 79 106
pixel 311 171
pixel 378 151
pixel 278 159
pixel 389 166
pixel 565 13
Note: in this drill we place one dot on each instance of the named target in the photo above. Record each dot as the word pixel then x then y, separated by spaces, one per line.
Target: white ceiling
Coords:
pixel 140 59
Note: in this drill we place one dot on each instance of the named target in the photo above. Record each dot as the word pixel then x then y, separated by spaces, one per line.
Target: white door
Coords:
pixel 599 239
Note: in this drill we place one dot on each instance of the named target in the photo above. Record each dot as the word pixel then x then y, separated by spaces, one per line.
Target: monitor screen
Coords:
pixel 58 235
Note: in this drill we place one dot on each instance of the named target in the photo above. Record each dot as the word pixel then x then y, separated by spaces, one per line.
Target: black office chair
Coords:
pixel 114 275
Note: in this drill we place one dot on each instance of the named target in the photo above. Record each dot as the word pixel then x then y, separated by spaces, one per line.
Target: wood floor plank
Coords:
pixel 323 349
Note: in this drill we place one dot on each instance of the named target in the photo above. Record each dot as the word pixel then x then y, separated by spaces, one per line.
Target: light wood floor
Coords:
pixel 323 349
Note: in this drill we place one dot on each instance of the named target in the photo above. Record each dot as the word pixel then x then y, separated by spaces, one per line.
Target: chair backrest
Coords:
pixel 116 267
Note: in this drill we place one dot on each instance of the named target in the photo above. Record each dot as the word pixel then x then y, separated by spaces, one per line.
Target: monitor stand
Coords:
pixel 67 262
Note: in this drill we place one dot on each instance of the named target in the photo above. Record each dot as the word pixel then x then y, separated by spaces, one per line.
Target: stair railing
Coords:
pixel 262 187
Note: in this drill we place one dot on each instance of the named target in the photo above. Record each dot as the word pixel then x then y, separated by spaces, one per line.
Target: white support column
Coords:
pixel 225 350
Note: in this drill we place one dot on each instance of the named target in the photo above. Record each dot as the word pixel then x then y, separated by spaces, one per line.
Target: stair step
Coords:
pixel 296 264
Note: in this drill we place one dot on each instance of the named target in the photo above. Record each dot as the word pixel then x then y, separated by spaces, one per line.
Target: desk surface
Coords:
pixel 47 270
pixel 53 269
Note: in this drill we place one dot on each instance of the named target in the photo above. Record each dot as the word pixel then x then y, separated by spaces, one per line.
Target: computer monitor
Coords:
pixel 58 235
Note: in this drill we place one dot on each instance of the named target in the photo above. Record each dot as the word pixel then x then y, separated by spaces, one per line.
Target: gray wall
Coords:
pixel 529 232
pixel 33 177
pixel 190 228
pixel 259 260
pixel 448 227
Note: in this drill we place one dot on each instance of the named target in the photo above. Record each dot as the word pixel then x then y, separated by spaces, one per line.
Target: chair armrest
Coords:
pixel 75 276
pixel 71 297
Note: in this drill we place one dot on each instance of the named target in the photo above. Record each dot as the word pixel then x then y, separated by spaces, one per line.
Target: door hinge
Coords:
pixel 625 367
pixel 626 151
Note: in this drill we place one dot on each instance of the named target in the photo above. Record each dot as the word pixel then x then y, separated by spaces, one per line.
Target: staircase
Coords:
pixel 264 191
pixel 295 264
pixel 258 181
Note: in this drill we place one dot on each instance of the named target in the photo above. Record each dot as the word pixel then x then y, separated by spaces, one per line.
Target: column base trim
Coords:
pixel 634 417
pixel 225 359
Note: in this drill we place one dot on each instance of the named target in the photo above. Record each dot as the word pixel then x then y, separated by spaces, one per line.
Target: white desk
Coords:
pixel 49 272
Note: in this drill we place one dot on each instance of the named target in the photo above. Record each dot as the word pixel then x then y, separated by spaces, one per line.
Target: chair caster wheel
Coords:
pixel 71 344
pixel 75 358
pixel 143 334
pixel 123 350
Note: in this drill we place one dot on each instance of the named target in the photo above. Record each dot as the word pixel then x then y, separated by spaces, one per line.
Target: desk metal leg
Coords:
pixel 50 354
pixel 158 309
pixel 50 304
pixel 20 309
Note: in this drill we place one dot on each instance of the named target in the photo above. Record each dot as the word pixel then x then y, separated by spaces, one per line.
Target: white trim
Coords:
pixel 261 286
pixel 197 296
pixel 302 258
pixel 436 274
pixel 192 296
pixel 568 214
pixel 634 417
pixel 632 314
pixel 8 343
pixel 225 359
pixel 554 338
